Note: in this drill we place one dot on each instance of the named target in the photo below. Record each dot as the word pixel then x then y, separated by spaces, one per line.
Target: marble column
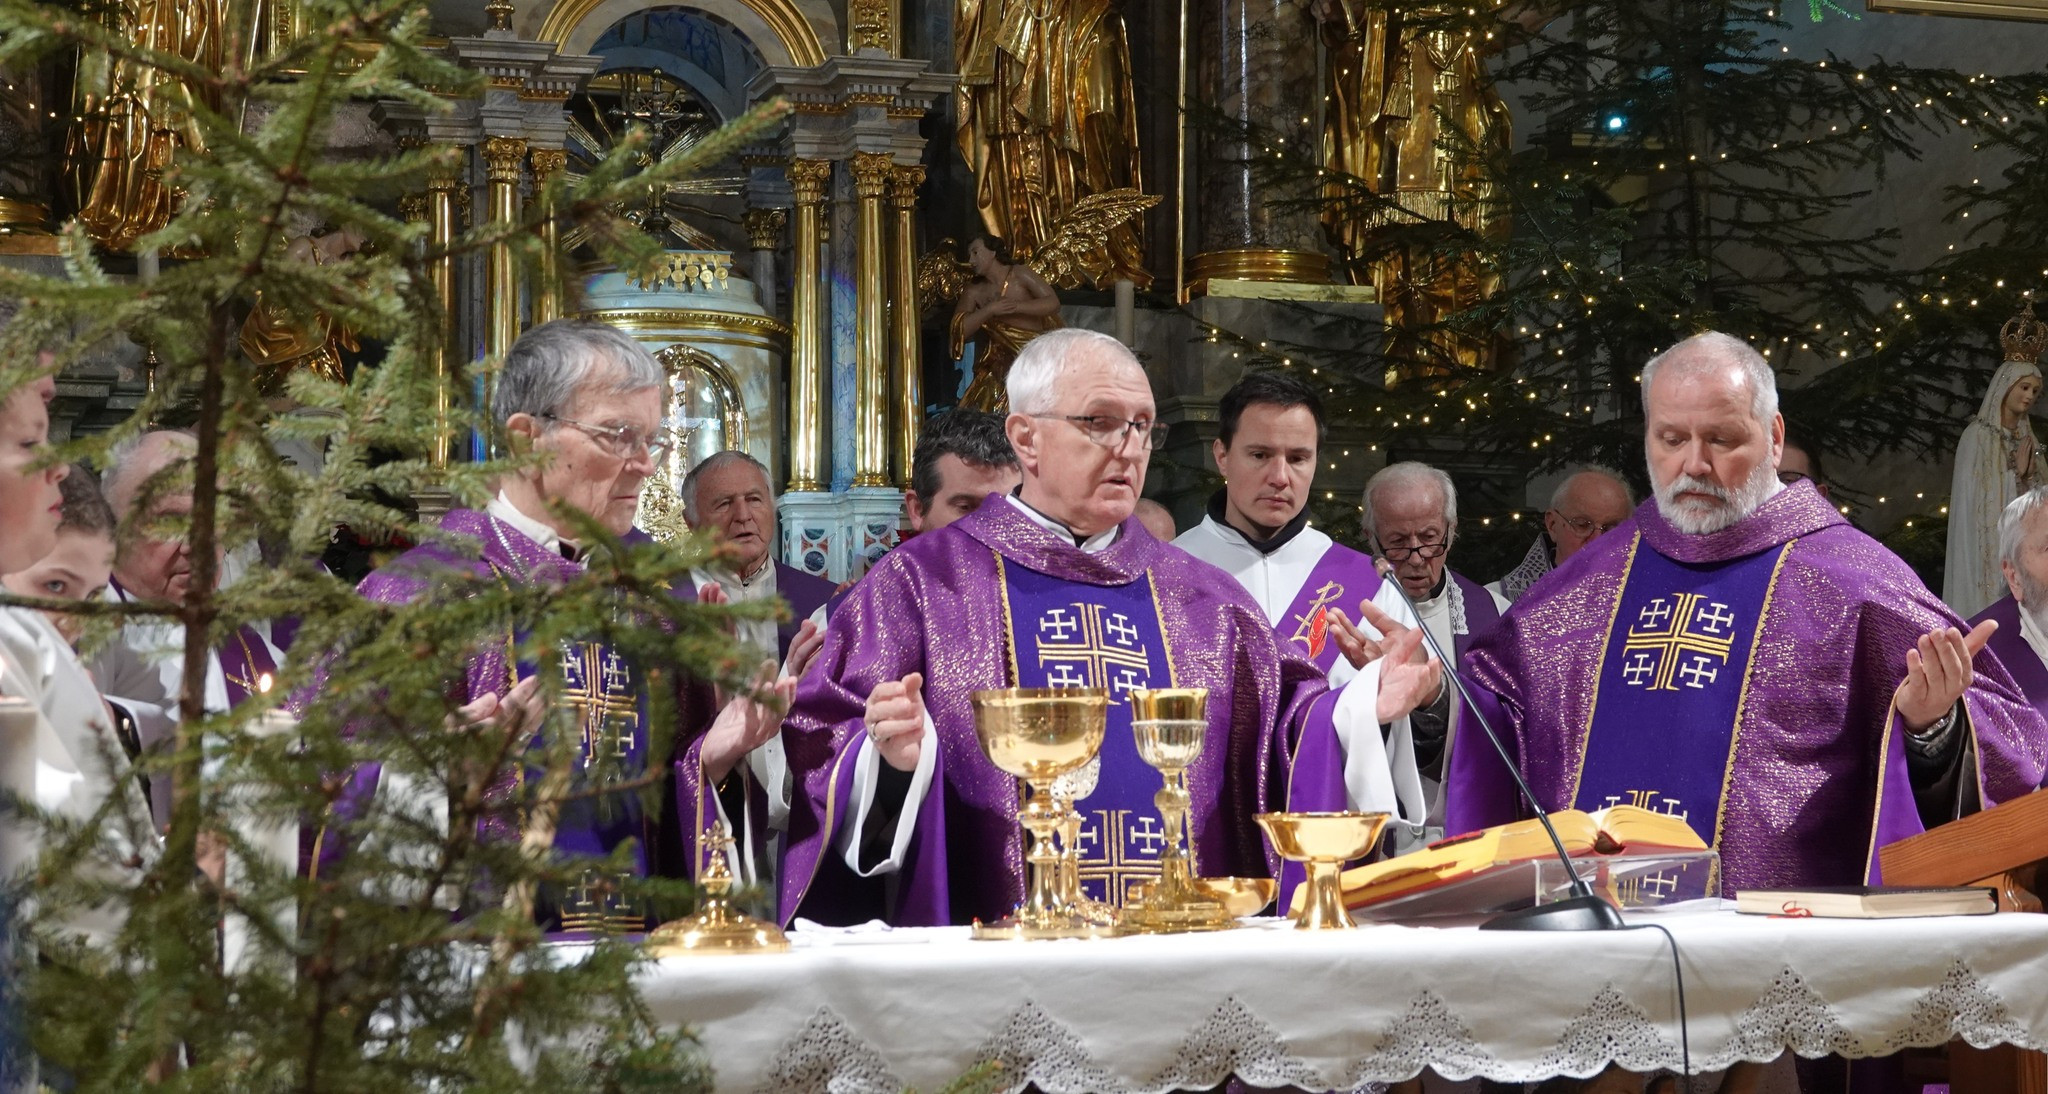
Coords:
pixel 1250 63
pixel 903 325
pixel 547 302
pixel 871 171
pixel 503 158
pixel 764 235
pixel 808 181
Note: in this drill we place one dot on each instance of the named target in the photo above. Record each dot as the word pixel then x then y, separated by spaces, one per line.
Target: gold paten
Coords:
pixel 1324 842
pixel 716 929
pixel 1039 734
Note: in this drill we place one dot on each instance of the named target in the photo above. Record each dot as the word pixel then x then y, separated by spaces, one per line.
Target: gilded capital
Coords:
pixel 445 172
pixel 413 207
pixel 874 26
pixel 764 228
pixel 809 179
pixel 871 172
pixel 501 158
pixel 547 163
pixel 903 184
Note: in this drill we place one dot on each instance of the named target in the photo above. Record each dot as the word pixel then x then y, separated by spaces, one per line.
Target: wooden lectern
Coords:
pixel 2005 848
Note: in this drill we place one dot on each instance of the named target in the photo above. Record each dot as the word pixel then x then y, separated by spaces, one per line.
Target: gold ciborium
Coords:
pixel 1039 734
pixel 716 928
pixel 1069 788
pixel 1324 842
pixel 1170 726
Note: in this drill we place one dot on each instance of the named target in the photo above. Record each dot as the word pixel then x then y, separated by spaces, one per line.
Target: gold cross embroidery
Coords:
pixel 597 686
pixel 1676 638
pixel 1088 647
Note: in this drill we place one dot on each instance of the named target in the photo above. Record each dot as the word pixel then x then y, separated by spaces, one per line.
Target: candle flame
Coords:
pixel 263 684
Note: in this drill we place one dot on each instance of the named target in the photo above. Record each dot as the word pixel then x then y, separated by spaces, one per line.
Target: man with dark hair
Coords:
pixel 962 457
pixel 1257 531
pixel 1802 461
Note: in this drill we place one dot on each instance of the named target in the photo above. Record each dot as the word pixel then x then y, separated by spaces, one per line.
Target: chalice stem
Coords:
pixel 1326 909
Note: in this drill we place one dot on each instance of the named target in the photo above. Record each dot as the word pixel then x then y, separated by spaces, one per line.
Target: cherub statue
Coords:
pixel 1003 301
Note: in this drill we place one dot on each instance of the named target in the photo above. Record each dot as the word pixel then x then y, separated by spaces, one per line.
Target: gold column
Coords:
pixel 547 303
pixel 502 159
pixel 764 235
pixel 808 180
pixel 443 182
pixel 903 184
pixel 871 172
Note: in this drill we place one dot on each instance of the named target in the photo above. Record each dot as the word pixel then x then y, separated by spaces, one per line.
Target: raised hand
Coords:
pixel 895 720
pixel 1938 673
pixel 803 649
pixel 1409 677
pixel 746 722
pixel 1352 641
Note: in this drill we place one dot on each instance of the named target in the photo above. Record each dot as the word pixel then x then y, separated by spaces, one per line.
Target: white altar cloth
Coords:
pixel 853 1012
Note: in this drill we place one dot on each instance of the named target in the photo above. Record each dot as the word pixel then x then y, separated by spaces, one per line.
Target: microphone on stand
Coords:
pixel 1582 911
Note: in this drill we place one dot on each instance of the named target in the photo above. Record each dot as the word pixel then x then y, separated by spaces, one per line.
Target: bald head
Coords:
pixel 1081 421
pixel 1157 520
pixel 1585 506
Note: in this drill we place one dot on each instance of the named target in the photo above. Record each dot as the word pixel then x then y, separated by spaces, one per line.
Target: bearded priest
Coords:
pixel 1737 654
pixel 1056 584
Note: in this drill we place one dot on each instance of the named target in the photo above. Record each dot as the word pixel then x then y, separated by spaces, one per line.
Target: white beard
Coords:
pixel 1731 506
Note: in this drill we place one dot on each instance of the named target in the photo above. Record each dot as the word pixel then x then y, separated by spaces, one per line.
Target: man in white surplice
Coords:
pixel 1256 530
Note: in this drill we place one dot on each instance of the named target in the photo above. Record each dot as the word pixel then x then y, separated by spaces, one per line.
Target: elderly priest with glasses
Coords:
pixel 1056 584
pixel 586 401
pixel 1737 654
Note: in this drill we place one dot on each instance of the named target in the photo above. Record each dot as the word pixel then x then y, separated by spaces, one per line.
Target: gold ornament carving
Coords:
pixel 809 179
pixel 500 12
pixel 764 228
pixel 870 173
pixel 685 271
pixel 502 156
pixel 874 26
pixel 547 163
pixel 903 184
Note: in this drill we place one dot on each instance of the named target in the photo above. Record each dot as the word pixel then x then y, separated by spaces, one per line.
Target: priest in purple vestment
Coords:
pixel 2020 643
pixel 588 400
pixel 1056 585
pixel 1737 654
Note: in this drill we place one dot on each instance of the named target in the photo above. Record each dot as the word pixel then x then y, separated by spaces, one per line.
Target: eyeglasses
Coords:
pixel 1586 529
pixel 1403 554
pixel 1110 432
pixel 1791 478
pixel 623 442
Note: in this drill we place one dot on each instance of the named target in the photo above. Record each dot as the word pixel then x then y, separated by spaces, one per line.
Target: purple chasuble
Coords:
pixel 805 594
pixel 244 661
pixel 1481 617
pixel 1340 579
pixel 953 604
pixel 2009 645
pixel 1816 776
pixel 602 691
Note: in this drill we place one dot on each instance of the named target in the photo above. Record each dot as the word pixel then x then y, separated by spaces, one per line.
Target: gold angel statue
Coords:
pixel 1002 301
pixel 277 341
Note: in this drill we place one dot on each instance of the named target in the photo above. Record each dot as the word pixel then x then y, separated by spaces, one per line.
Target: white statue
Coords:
pixel 1998 459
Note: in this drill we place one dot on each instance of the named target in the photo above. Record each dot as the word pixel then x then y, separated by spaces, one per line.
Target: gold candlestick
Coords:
pixel 1170 726
pixel 1325 842
pixel 1039 734
pixel 716 928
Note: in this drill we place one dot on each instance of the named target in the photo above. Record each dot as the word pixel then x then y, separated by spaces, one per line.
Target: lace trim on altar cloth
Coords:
pixel 1032 1047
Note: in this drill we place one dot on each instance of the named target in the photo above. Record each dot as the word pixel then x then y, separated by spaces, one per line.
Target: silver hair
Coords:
pixel 547 366
pixel 1412 473
pixel 1557 495
pixel 1035 374
pixel 687 492
pixel 123 471
pixel 1715 348
pixel 2015 515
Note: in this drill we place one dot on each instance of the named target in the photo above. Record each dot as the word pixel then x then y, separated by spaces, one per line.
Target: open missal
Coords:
pixel 1504 867
pixel 1868 901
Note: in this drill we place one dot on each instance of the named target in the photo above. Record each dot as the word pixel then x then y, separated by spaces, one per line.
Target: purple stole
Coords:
pixel 1672 682
pixel 1070 634
pixel 2012 651
pixel 1480 615
pixel 244 661
pixel 804 593
pixel 1341 578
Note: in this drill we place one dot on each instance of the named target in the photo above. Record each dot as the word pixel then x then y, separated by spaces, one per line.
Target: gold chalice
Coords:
pixel 1170 725
pixel 1325 842
pixel 1069 788
pixel 1039 734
